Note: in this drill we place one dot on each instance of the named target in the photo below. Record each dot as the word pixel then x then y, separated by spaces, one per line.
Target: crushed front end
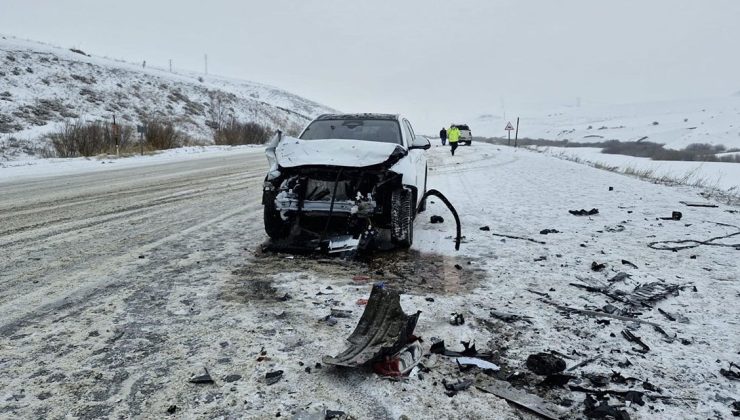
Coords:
pixel 333 208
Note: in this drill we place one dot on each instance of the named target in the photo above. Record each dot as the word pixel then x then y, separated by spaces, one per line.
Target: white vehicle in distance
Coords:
pixel 344 176
pixel 466 136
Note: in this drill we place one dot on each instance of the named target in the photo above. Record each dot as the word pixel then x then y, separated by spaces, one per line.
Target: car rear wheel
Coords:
pixel 402 218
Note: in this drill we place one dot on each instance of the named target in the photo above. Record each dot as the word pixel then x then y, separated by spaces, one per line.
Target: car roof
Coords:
pixel 360 116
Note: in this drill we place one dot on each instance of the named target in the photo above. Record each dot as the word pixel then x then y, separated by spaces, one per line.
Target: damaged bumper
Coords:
pixel 286 203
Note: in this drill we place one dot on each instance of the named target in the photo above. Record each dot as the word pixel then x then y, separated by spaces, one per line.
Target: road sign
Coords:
pixel 509 127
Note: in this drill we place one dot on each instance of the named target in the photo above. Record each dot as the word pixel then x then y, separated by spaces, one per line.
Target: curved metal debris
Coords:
pixel 383 330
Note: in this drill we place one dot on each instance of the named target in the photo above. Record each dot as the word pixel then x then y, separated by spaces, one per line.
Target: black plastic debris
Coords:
pixel 583 212
pixel 455 387
pixel 650 387
pixel 458 236
pixel 602 410
pixel 429 299
pixel 627 263
pixel 172 409
pixel 597 380
pixel 732 374
pixel 335 414
pixel 202 379
pixel 485 228
pixel 286 297
pixel 635 339
pixel 458 266
pixel 508 317
pixel 674 317
pixel 457 319
pixel 556 380
pixel 597 266
pixel 649 293
pixel 676 215
pixel 436 219
pixel 383 329
pixel 341 313
pixel 548 231
pixel 545 364
pixel 273 377
pixel 233 377
pixel 469 350
pixel 611 188
pixel 621 276
pixel 540 258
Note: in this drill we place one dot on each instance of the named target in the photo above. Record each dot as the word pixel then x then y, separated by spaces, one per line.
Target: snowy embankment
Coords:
pixel 709 175
pixel 42 86
pixel 676 124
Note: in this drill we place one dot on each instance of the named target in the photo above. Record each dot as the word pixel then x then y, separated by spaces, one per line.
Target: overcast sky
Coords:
pixel 435 61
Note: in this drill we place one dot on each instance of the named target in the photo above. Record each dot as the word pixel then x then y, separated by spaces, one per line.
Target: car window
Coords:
pixel 409 133
pixel 411 129
pixel 463 127
pixel 384 131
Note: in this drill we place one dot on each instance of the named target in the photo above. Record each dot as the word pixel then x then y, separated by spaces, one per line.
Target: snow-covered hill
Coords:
pixel 42 86
pixel 675 124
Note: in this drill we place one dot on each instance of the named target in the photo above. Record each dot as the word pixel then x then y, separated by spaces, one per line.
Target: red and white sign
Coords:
pixel 509 127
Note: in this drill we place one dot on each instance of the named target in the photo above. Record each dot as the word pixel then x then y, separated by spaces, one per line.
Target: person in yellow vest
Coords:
pixel 453 135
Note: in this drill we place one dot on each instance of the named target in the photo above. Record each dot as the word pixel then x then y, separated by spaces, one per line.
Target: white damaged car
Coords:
pixel 345 178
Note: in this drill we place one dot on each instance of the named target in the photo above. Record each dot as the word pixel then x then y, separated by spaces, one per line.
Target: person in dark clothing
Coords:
pixel 443 136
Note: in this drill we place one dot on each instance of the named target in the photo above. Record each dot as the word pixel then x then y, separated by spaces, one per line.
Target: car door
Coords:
pixel 418 159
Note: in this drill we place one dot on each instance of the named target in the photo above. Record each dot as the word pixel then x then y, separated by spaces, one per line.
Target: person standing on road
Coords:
pixel 443 135
pixel 453 135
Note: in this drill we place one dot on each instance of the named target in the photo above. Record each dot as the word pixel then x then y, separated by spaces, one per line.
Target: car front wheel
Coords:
pixel 402 218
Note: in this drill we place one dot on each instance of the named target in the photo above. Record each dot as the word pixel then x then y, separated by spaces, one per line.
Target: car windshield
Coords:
pixel 384 131
pixel 463 127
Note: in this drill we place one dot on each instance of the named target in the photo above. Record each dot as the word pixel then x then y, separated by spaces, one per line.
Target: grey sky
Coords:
pixel 435 61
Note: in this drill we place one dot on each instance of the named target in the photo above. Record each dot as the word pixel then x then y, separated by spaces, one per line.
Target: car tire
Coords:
pixel 275 226
pixel 402 218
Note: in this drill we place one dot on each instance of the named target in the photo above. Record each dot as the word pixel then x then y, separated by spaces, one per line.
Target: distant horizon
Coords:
pixel 564 103
pixel 432 60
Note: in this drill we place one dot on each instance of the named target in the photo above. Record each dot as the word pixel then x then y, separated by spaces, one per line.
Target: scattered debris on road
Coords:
pixel 583 212
pixel 548 231
pixel 436 219
pixel 383 330
pixel 202 379
pixel 457 318
pixel 545 364
pixel 273 377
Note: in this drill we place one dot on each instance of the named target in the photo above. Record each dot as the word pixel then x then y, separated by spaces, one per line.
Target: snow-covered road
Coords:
pixel 118 286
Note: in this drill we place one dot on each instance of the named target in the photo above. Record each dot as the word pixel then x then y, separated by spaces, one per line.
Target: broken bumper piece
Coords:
pixel 384 329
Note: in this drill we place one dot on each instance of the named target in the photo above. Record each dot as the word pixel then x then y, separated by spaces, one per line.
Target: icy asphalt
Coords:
pixel 118 286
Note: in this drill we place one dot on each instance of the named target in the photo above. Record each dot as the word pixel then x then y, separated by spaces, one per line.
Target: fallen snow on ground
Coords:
pixel 673 123
pixel 124 287
pixel 714 175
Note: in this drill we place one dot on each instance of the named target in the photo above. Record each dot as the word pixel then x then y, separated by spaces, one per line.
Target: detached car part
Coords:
pixel 384 329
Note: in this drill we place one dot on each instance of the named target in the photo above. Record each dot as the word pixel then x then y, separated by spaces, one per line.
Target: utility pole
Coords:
pixel 516 133
pixel 206 61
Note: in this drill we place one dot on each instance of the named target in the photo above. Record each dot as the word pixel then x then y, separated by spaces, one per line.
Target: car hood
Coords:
pixel 292 152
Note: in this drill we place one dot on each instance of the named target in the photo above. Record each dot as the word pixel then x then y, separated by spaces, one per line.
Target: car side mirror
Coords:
pixel 420 142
